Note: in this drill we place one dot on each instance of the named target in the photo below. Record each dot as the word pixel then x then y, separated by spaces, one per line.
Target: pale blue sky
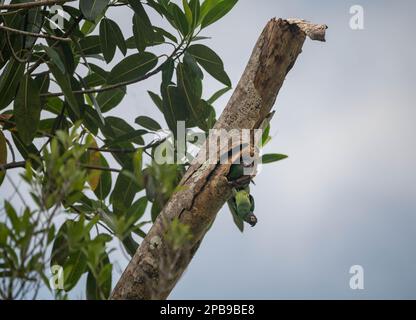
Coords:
pixel 347 194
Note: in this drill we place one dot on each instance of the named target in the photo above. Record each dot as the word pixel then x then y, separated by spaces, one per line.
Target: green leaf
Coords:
pixel 160 6
pixel 191 90
pixel 110 38
pixel 76 85
pixel 179 19
pixel 206 6
pixel 148 123
pixel 217 12
pixel 4 234
pixel 65 83
pixel 27 152
pixel 94 80
pixel 138 166
pixel 12 215
pixel 54 105
pixel 92 8
pixel 110 99
pixel 96 77
pixel 88 27
pixel 139 231
pixel 114 129
pixel 73 269
pixel 66 54
pixel 174 107
pixel 92 158
pixel 196 12
pixel 105 280
pixel 99 288
pixel 211 62
pixel 60 248
pixel 188 11
pixel 27 109
pixel 218 95
pixel 9 81
pixel 273 157
pixel 92 290
pixel 140 35
pixel 51 234
pixel 104 184
pixel 107 40
pixel 42 82
pixel 118 37
pixel 92 98
pixel 212 117
pixel 142 28
pixel 130 245
pixel 157 100
pixel 132 67
pixel 131 43
pixel 90 45
pixel 124 192
pixel 200 38
pixel 189 79
pixel 134 136
pixel 92 120
pixel 136 211
pixel 166 34
pixel 55 58
pixel 266 136
pixel 193 67
pixel 167 72
pixel 3 154
pixel 155 211
pixel 96 69
pixel 34 19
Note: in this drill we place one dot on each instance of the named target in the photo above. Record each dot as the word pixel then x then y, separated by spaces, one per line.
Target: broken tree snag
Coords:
pixel 157 266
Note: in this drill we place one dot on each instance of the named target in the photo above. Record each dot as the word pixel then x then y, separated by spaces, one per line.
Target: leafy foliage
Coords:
pixel 56 89
pixel 91 174
pixel 273 157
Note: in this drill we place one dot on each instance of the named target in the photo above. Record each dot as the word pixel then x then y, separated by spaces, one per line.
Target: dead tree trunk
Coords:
pixel 156 267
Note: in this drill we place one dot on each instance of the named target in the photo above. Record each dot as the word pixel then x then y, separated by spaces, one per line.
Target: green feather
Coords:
pixel 243 204
pixel 236 172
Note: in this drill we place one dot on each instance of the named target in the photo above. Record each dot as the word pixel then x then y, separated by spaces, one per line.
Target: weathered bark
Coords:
pixel 156 267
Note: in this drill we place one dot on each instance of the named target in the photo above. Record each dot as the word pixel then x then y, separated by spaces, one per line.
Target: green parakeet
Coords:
pixel 242 205
pixel 236 172
pixel 238 177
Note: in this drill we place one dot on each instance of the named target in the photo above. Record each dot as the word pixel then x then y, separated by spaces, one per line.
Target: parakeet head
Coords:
pixel 251 219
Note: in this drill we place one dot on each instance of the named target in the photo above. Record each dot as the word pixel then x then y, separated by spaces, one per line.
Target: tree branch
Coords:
pixel 12 165
pixel 204 189
pixel 29 5
pixel 22 164
pixel 99 168
pixel 110 87
pixel 14 54
pixel 32 34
